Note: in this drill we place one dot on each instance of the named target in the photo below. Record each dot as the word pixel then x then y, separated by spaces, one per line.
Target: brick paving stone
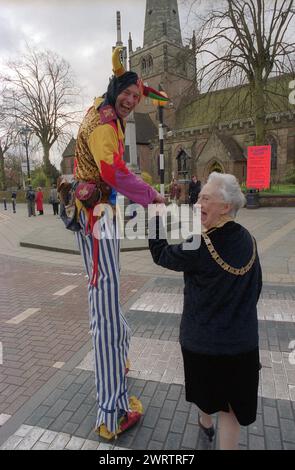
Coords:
pixel 256 442
pixel 75 443
pixel 289 446
pixel 37 415
pixel 173 442
pixel 11 443
pixel 174 392
pixel 168 409
pixel 153 445
pixel 190 436
pixel 161 431
pixel 257 427
pixel 142 439
pixel 284 408
pixel 75 402
pixel 270 416
pixel 30 439
pixel 23 430
pixel 61 420
pixel 179 422
pixel 40 446
pixel 90 445
pixel 60 441
pixel 57 408
pixel 81 413
pixel 273 438
pixel 288 430
pixel 86 427
pixel 70 428
pixel 159 398
pixel 45 422
pixel 149 389
pixel 151 417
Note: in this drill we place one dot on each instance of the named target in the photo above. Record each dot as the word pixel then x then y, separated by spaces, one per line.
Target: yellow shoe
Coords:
pixel 129 419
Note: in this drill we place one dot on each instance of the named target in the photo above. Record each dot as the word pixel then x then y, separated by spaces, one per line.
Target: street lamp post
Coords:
pixel 25 133
pixel 161 105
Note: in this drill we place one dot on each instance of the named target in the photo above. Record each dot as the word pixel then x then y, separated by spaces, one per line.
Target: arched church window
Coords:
pixel 274 151
pixel 143 66
pixel 150 64
pixel 182 160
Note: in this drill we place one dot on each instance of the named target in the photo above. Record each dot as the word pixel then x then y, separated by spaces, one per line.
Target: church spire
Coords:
pixel 161 22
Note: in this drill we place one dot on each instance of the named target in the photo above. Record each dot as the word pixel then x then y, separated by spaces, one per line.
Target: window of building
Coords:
pixel 150 64
pixel 143 66
pixel 147 65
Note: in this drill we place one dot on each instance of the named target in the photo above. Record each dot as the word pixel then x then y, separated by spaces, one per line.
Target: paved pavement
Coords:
pixel 47 396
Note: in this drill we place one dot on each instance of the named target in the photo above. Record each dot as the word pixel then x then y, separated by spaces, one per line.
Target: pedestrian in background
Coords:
pixel 39 201
pixel 30 197
pixel 219 325
pixel 53 199
pixel 13 201
pixel 175 191
pixel 194 190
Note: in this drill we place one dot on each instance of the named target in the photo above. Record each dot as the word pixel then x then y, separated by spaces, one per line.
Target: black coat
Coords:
pixel 219 312
pixel 193 191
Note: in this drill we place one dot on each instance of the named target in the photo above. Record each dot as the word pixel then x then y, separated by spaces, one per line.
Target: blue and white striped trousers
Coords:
pixel 110 331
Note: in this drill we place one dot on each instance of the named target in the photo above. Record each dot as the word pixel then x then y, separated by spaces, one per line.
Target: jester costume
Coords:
pixel 99 157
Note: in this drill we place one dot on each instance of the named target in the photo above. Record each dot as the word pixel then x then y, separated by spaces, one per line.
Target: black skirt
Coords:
pixel 215 382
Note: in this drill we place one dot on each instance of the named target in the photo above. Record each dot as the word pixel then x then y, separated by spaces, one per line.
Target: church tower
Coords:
pixel 163 62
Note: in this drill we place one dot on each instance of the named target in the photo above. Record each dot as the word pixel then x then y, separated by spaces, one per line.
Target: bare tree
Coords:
pixel 8 137
pixel 246 41
pixel 40 93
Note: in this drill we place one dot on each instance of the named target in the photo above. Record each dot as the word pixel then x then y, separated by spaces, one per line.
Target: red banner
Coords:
pixel 258 167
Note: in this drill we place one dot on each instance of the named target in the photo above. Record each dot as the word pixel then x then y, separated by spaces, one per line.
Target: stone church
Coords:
pixel 204 132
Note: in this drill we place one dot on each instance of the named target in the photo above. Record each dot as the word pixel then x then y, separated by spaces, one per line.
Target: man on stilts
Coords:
pixel 100 172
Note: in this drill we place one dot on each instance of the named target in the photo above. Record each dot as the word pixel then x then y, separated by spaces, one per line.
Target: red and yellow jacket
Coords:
pixel 99 153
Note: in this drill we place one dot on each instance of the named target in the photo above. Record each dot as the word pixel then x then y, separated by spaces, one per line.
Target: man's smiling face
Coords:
pixel 127 100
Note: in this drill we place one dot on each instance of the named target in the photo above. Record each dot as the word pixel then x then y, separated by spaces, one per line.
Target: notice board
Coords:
pixel 258 167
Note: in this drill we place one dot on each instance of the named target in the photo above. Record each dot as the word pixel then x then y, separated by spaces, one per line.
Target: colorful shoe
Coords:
pixel 125 421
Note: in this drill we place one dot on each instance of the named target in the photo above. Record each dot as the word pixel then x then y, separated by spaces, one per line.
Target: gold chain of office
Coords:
pixel 223 264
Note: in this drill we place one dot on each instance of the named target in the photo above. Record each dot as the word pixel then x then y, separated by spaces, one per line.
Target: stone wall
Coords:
pixel 286 200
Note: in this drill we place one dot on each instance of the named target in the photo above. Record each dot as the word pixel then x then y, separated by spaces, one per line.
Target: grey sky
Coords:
pixel 81 31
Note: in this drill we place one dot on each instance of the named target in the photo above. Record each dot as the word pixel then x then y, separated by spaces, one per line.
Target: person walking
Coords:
pixel 53 199
pixel 219 325
pixel 100 172
pixel 39 201
pixel 194 190
pixel 13 201
pixel 30 197
pixel 175 191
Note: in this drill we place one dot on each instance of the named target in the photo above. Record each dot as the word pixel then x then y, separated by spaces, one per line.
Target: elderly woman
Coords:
pixel 219 326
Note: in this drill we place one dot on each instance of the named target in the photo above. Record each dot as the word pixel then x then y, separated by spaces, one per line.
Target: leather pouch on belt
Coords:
pixel 88 193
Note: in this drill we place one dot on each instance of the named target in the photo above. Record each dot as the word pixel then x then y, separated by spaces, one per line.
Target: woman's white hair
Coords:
pixel 229 189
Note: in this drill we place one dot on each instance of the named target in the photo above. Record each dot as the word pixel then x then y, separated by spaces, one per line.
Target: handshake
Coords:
pixel 158 206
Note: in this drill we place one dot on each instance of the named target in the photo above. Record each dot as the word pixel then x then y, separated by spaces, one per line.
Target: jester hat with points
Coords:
pixel 123 79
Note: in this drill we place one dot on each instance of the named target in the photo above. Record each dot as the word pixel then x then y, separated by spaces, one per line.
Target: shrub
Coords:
pixel 290 177
pixel 146 177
